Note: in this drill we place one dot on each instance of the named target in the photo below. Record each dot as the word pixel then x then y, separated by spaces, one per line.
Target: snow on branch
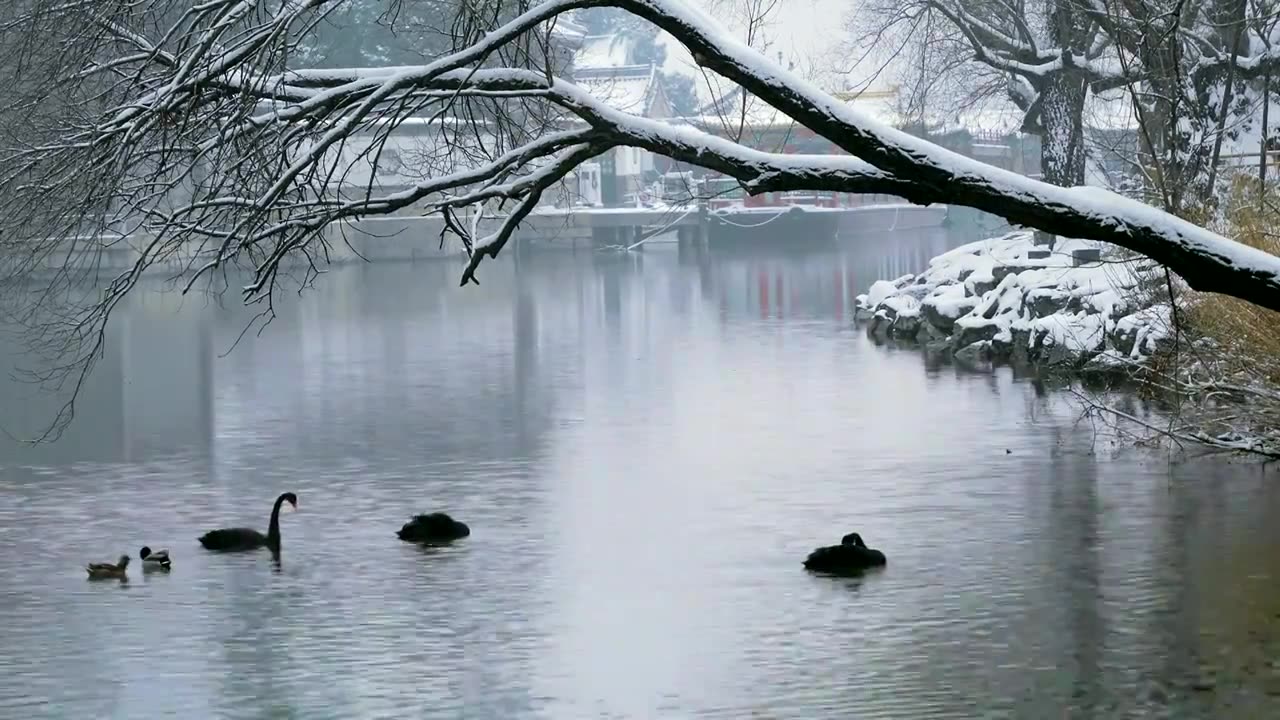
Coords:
pixel 189 126
pixel 1206 260
pixel 311 113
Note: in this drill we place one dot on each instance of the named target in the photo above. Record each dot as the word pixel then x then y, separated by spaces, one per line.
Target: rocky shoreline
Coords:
pixel 1005 299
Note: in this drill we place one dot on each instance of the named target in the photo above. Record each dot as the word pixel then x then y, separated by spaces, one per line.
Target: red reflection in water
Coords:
pixel 762 282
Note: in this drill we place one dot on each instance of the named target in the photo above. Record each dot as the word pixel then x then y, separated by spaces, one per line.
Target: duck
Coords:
pixel 433 527
pixel 108 571
pixel 851 556
pixel 158 560
pixel 244 539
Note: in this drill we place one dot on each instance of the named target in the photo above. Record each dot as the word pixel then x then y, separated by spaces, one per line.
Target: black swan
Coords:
pixel 240 539
pixel 850 556
pixel 435 527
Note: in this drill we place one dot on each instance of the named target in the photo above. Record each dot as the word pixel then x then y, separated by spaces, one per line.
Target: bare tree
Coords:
pixel 1043 56
pixel 187 125
pixel 1182 64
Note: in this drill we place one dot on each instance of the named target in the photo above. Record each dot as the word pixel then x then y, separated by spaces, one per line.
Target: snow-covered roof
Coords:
pixel 760 115
pixel 628 88
pixel 601 67
pixel 880 104
pixel 990 115
pixel 568 32
pixel 602 51
pixel 986 117
pixel 1109 111
pixel 676 58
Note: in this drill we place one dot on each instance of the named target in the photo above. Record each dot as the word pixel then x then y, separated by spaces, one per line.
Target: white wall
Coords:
pixel 406 159
pixel 628 161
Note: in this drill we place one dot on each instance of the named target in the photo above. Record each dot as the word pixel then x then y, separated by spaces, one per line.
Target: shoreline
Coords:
pixel 1083 313
pixel 1005 300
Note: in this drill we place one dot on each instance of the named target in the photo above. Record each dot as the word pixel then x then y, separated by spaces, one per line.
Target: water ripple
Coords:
pixel 644 461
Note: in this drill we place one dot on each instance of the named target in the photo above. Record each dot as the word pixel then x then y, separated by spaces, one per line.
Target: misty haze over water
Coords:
pixel 645 445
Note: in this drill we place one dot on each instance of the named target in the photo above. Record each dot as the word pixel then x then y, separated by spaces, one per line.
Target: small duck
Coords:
pixel 158 560
pixel 851 556
pixel 435 527
pixel 108 571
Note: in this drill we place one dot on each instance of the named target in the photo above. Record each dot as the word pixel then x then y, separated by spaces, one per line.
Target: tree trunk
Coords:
pixel 1236 7
pixel 1062 148
pixel 1263 146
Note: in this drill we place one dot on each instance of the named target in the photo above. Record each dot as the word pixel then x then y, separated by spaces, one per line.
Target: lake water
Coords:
pixel 645 446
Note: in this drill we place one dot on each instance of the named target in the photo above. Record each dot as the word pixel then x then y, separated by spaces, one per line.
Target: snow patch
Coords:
pixel 882 289
pixel 994 297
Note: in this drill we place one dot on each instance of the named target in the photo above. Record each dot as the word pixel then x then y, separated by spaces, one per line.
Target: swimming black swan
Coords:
pixel 239 539
pixel 851 555
pixel 435 527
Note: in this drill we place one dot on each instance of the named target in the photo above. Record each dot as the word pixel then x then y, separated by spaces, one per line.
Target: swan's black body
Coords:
pixel 435 527
pixel 850 556
pixel 242 539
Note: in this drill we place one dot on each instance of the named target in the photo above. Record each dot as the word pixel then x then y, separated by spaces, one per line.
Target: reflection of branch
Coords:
pixel 217 157
pixel 1183 434
pixel 1214 413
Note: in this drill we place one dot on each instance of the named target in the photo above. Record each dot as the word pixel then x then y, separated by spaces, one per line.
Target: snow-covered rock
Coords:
pixel 992 300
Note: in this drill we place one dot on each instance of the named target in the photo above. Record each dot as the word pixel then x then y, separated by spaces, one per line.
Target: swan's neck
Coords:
pixel 273 530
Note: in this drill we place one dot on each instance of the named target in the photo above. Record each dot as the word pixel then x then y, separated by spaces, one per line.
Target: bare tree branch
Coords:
pixel 188 132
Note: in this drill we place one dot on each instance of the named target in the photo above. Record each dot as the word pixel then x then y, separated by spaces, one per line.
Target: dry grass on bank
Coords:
pixel 1217 374
pixel 1251 334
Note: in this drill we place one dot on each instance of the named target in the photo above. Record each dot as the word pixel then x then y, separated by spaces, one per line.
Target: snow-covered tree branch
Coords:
pixel 1184 67
pixel 194 126
pixel 1044 57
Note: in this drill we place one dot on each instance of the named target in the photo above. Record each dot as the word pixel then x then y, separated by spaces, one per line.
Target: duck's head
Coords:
pixel 124 562
pixel 853 539
pixel 144 553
